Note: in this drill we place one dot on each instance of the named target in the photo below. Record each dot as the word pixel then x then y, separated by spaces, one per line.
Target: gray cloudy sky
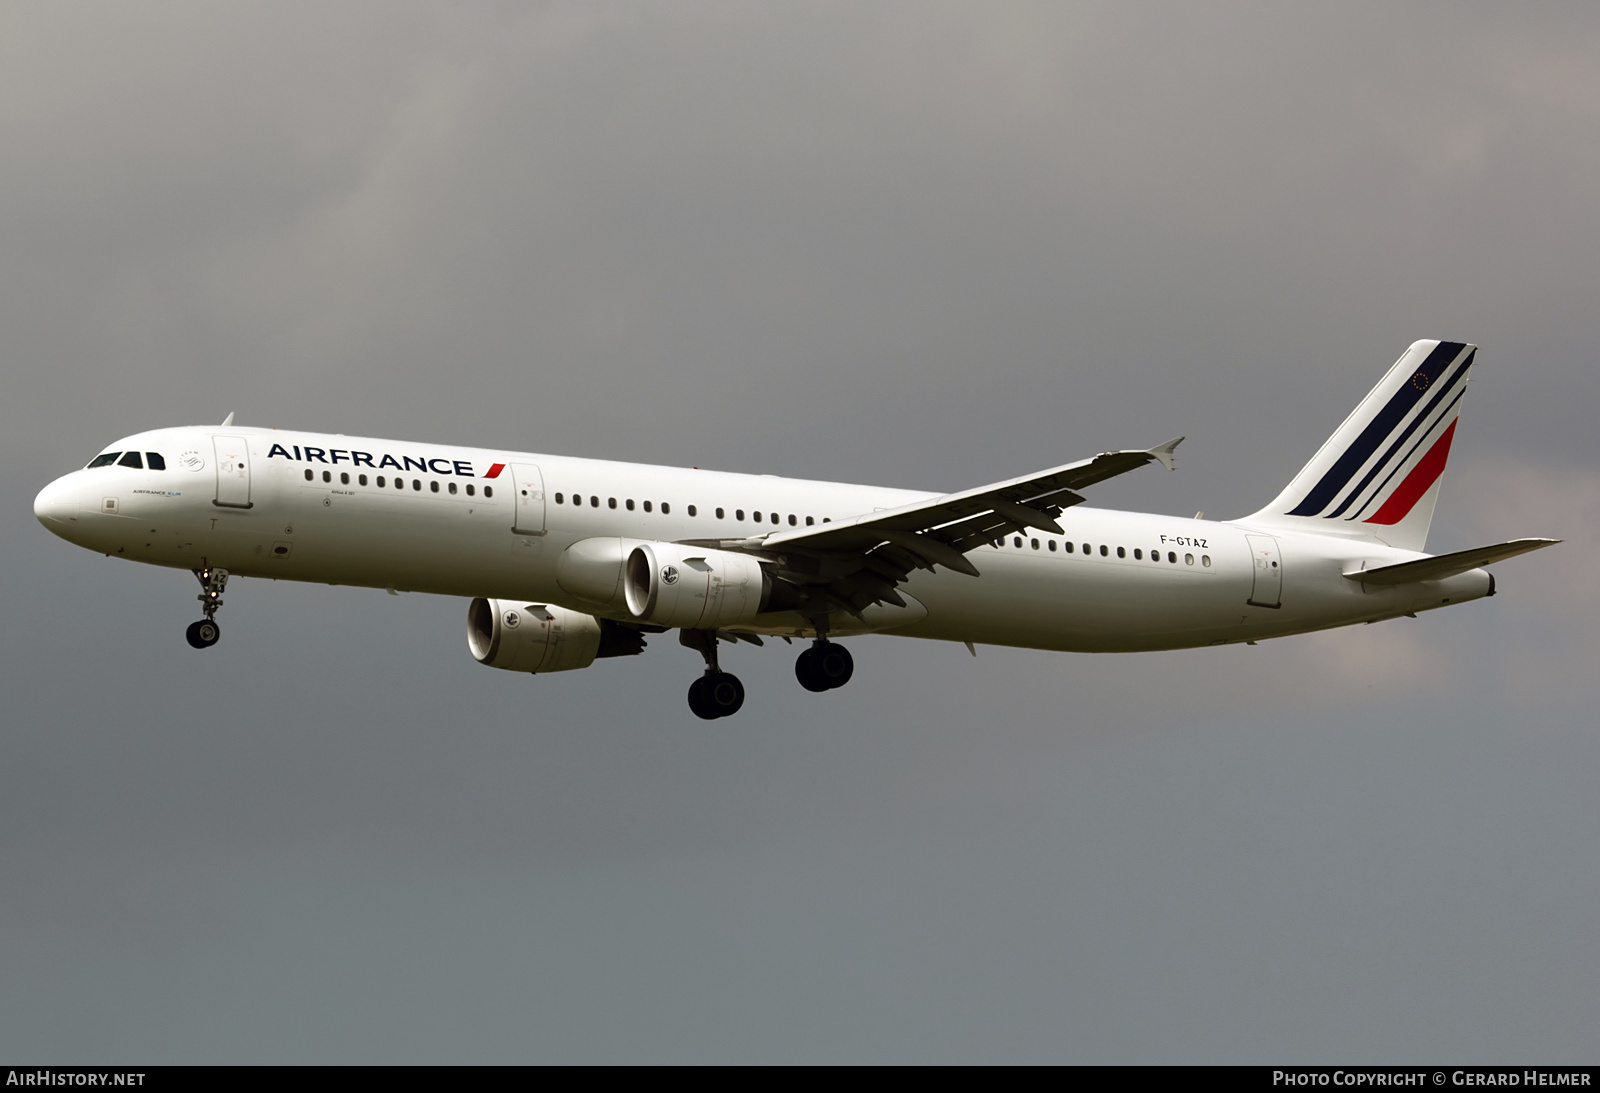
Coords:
pixel 927 245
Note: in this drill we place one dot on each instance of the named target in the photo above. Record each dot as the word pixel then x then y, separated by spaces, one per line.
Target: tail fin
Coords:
pixel 1378 476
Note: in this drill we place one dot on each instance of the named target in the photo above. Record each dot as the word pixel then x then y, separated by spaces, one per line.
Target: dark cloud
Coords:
pixel 925 245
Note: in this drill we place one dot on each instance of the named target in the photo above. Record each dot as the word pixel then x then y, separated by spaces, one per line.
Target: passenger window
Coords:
pixel 382 481
pixel 560 500
pixel 691 510
pixel 102 460
pixel 308 474
pixel 810 521
pixel 131 460
pixel 611 502
pixel 1052 545
pixel 452 487
pixel 488 491
pixel 647 506
pixel 399 483
pixel 433 487
pixel 1205 560
pixel 774 517
pixel 344 478
pixel 738 514
pixel 471 490
pixel 1188 559
pixel 416 484
pixel 1103 551
pixel 827 519
pixel 792 520
pixel 594 502
pixel 1067 547
pixel 327 476
pixel 1035 544
pixel 1087 549
pixel 155 460
pixel 756 516
pixel 1172 557
pixel 1017 542
pixel 1138 555
pixel 721 515
pixel 629 504
pixel 1121 553
pixel 665 508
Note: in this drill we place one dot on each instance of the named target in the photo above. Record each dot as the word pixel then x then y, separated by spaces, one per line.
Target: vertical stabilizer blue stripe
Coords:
pixel 1379 428
pixel 1421 440
pixel 1377 468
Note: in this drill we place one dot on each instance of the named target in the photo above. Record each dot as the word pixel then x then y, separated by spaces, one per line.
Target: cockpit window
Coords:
pixel 154 461
pixel 103 460
pixel 131 459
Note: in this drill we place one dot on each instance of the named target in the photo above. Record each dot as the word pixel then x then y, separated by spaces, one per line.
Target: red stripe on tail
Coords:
pixel 1423 475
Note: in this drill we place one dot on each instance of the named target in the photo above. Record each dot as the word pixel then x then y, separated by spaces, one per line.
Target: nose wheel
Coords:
pixel 204 634
pixel 824 666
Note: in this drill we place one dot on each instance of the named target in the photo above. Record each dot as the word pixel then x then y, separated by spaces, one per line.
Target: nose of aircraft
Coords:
pixel 56 507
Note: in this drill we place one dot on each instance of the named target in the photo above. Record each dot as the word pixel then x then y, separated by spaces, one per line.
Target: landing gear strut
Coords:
pixel 824 666
pixel 717 693
pixel 204 634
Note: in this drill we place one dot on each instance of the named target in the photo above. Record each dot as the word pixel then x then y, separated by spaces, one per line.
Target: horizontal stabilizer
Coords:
pixel 1448 565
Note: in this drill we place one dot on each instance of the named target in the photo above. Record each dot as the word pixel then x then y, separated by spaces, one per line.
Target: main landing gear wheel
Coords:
pixel 203 634
pixel 716 694
pixel 824 666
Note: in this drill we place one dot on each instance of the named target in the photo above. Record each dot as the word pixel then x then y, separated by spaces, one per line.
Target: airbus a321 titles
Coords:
pixel 567 561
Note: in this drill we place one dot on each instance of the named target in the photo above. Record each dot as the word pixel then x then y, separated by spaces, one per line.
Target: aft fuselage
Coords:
pixel 478 522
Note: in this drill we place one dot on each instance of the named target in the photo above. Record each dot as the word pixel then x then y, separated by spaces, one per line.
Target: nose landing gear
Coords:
pixel 204 634
pixel 824 666
pixel 717 693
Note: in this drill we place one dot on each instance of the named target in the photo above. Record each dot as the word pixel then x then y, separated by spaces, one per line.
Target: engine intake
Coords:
pixel 535 637
pixel 666 584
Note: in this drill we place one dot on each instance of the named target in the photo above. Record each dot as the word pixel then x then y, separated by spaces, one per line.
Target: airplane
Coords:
pixel 567 561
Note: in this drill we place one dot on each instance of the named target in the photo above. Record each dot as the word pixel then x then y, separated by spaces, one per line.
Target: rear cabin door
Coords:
pixel 1267 589
pixel 529 485
pixel 233 471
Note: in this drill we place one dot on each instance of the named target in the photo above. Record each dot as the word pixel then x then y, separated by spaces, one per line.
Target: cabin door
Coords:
pixel 1267 589
pixel 233 471
pixel 528 483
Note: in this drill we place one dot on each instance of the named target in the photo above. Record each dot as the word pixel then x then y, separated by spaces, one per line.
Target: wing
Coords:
pixel 855 563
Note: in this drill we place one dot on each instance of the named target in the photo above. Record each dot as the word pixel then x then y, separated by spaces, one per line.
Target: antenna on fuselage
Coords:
pixel 227 420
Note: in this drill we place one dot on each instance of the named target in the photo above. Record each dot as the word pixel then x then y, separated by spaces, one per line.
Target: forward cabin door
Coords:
pixel 233 471
pixel 1267 589
pixel 528 483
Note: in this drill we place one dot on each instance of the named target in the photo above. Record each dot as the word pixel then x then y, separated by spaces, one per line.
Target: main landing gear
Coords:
pixel 824 666
pixel 717 693
pixel 204 634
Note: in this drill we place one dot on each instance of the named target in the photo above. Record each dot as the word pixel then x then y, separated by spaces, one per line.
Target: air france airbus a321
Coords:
pixel 570 560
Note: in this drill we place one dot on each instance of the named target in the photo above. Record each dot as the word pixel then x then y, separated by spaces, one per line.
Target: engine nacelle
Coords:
pixel 666 584
pixel 535 637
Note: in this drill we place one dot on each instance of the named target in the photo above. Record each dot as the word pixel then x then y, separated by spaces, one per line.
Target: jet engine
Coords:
pixel 536 637
pixel 666 584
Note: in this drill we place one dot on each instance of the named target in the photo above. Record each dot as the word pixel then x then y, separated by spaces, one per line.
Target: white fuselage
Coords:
pixel 293 506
